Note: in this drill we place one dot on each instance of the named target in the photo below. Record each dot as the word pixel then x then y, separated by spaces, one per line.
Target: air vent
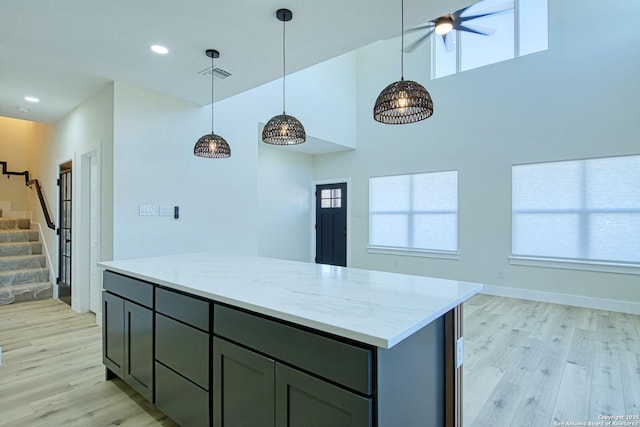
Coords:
pixel 218 73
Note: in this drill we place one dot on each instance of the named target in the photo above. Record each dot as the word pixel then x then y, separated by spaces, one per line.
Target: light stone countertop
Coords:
pixel 372 307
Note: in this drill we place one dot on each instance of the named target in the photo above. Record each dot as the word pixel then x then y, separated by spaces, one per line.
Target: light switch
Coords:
pixel 148 210
pixel 166 210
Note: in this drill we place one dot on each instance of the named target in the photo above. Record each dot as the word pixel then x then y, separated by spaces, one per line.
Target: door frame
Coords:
pixel 82 214
pixel 314 184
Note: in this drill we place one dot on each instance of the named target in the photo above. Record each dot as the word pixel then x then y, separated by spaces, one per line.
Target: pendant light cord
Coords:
pixel 402 40
pixel 284 53
pixel 212 83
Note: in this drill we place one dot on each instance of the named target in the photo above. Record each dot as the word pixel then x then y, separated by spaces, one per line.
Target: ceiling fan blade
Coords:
pixel 483 31
pixel 457 13
pixel 449 41
pixel 482 15
pixel 418 42
pixel 498 8
pixel 429 25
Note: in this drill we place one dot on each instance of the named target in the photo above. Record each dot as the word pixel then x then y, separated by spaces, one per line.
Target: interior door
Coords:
pixel 64 235
pixel 331 224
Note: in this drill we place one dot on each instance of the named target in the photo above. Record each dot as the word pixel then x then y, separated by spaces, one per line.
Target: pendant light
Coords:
pixel 404 101
pixel 211 145
pixel 283 129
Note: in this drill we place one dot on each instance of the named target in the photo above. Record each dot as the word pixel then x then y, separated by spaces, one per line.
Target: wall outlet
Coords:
pixel 459 352
pixel 148 210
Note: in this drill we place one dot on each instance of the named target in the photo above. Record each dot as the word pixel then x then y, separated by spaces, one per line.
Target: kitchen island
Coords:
pixel 223 340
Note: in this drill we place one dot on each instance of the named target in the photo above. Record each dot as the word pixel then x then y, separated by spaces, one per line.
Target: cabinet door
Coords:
pixel 243 383
pixel 113 333
pixel 138 348
pixel 306 401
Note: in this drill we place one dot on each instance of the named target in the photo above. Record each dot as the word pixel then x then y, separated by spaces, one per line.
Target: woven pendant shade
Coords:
pixel 284 130
pixel 402 102
pixel 212 146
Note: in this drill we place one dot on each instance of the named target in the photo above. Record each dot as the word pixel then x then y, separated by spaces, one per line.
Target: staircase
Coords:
pixel 24 274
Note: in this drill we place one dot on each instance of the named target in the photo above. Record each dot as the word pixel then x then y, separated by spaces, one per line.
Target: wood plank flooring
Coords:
pixel 52 372
pixel 530 363
pixel 526 364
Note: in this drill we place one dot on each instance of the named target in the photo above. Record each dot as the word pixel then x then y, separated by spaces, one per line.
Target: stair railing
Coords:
pixel 29 182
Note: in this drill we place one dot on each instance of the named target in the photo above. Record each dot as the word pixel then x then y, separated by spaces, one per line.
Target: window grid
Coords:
pixel 583 213
pixel 517 10
pixel 411 214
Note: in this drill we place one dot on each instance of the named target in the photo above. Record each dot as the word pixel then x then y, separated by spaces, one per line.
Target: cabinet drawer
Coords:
pixel 132 289
pixel 329 358
pixel 187 309
pixel 184 402
pixel 184 349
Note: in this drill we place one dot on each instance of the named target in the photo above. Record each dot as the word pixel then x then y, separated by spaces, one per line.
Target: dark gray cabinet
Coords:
pixel 244 384
pixel 306 401
pixel 128 332
pixel 261 390
pixel 138 348
pixel 205 363
pixel 113 333
pixel 182 357
pixel 255 390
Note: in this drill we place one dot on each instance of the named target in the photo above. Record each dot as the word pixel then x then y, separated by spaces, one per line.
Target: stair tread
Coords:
pixel 23 270
pixel 19 243
pixel 25 285
pixel 25 292
pixel 12 257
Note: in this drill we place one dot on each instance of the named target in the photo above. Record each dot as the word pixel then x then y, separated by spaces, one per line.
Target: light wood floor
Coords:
pixel 52 372
pixel 526 364
pixel 535 364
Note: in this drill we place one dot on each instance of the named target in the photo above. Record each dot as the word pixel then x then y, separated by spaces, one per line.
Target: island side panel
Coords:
pixel 453 372
pixel 411 379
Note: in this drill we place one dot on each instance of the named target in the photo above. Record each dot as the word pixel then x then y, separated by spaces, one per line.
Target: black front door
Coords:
pixel 331 224
pixel 64 235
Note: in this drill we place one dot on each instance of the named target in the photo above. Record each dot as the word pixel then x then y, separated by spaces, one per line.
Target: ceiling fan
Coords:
pixel 456 21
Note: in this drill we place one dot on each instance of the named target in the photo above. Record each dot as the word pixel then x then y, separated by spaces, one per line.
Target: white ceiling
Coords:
pixel 64 51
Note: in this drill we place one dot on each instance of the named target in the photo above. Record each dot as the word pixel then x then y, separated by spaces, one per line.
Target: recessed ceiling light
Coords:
pixel 160 50
pixel 23 109
pixel 31 99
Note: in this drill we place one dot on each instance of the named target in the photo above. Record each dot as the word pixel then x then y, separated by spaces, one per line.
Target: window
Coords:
pixel 519 29
pixel 414 212
pixel 586 210
pixel 331 198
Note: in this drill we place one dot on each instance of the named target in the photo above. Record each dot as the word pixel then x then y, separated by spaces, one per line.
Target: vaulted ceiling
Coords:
pixel 64 51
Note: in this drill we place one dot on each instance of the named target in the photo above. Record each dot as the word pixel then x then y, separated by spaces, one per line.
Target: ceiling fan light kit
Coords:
pixel 443 25
pixel 212 146
pixel 284 129
pixel 404 101
pixel 453 21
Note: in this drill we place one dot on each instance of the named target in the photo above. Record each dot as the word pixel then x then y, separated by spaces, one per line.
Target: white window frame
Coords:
pixel 587 264
pixel 417 252
pixel 459 45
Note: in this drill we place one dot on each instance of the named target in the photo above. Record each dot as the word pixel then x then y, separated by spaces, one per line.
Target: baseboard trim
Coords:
pixel 564 299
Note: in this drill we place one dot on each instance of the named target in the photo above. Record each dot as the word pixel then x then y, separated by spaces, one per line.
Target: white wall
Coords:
pixel 225 204
pixel 284 179
pixel 155 165
pixel 576 100
pixel 88 128
pixel 15 139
